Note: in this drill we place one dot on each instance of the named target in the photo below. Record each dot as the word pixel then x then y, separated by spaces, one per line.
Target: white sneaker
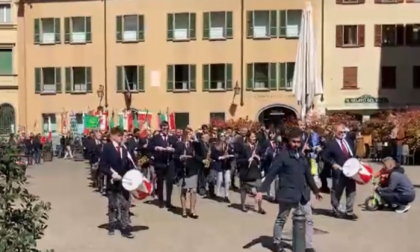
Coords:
pixel 403 209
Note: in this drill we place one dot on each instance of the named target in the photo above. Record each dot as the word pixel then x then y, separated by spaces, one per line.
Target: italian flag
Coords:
pixel 169 117
pixel 125 120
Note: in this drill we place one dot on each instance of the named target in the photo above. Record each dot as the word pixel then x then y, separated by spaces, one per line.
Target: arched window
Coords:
pixel 7 119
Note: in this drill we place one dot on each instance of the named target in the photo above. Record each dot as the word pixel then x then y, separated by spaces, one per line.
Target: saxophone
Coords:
pixel 207 161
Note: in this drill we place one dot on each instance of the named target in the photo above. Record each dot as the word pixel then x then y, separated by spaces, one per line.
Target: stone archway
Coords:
pixel 7 119
pixel 276 114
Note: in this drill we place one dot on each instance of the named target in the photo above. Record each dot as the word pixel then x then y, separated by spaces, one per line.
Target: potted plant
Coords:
pixel 23 215
pixel 47 151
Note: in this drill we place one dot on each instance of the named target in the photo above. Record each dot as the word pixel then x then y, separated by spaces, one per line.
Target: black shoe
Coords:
pixel 262 211
pixel 161 204
pixel 127 234
pixel 226 200
pixel 170 207
pixel 111 229
pixel 337 215
pixel 325 190
pixel 278 248
pixel 351 216
pixel 310 250
pixel 193 216
pixel 244 209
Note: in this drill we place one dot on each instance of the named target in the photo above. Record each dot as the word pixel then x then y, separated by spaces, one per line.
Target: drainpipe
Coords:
pixel 242 51
pixel 322 40
pixel 105 53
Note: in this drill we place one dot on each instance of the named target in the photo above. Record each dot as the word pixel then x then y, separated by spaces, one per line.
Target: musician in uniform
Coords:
pixel 189 161
pixel 336 153
pixel 95 150
pixel 249 170
pixel 114 162
pixel 221 157
pixel 271 150
pixel 162 149
pixel 204 169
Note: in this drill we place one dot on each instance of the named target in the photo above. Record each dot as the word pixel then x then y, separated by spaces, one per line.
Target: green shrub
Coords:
pixel 22 215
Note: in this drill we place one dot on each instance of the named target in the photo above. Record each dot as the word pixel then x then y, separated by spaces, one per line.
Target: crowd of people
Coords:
pixel 284 166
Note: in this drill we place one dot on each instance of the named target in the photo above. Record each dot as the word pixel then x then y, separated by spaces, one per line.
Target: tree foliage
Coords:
pixel 22 215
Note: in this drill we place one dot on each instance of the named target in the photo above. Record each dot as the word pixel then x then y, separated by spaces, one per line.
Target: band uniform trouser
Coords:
pixel 118 208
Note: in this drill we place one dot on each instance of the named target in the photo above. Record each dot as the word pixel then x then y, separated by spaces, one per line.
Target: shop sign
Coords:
pixel 366 99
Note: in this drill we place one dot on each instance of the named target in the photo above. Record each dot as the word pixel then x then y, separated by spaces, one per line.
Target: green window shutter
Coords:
pixel 68 79
pixel 66 30
pixel 88 26
pixel 282 23
pixel 206 77
pixel 37 31
pixel 192 26
pixel 38 80
pixel 57 30
pixel 119 26
pixel 170 27
pixel 6 61
pixel 228 76
pixel 140 34
pixel 120 86
pixel 170 71
pixel 88 74
pixel 249 24
pixel 282 75
pixel 249 76
pixel 273 24
pixel 140 78
pixel 272 73
pixel 206 25
pixel 57 72
pixel 229 25
pixel 192 79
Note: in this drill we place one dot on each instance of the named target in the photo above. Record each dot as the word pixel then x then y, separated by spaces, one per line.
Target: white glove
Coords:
pixel 116 177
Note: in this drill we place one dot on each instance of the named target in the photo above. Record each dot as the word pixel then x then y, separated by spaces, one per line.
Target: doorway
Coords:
pixel 276 115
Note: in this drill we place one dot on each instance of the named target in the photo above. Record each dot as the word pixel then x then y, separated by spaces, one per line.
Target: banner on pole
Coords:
pixel 91 122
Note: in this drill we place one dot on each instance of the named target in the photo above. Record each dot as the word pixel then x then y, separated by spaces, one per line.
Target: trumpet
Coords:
pixel 253 155
pixel 143 160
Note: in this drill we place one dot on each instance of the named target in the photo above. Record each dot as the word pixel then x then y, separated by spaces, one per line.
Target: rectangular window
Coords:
pixel 130 78
pixel 262 24
pixel 350 36
pixel 182 120
pixel 6 61
pixel 130 28
pixel 412 1
pixel 48 80
pixel 388 77
pixel 78 79
pixel 49 122
pixel 217 77
pixel 78 30
pixel 5 14
pixel 181 78
pixel 416 77
pixel 349 77
pixel 181 26
pixel 389 35
pixel 412 34
pixel 217 25
pixel 261 76
pixel 47 31
pixel 289 23
pixel 217 116
pixel 286 71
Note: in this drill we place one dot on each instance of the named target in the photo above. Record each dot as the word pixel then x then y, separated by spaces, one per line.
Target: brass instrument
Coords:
pixel 207 161
pixel 143 160
pixel 253 155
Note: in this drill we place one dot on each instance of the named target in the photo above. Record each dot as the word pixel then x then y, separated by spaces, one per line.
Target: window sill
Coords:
pixel 8 75
pixel 181 91
pixel 216 90
pixel 47 93
pixel 49 44
pixel 181 40
pixel 216 39
pixel 285 89
pixel 349 46
pixel 350 3
pixel 7 26
pixel 77 43
pixel 130 41
pixel 350 88
pixel 78 92
pixel 259 90
pixel 131 91
pixel 260 38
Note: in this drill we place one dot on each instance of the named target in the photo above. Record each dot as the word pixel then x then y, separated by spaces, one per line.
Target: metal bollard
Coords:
pixel 299 242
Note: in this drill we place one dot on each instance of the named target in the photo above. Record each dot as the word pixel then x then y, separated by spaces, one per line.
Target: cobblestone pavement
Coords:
pixel 77 212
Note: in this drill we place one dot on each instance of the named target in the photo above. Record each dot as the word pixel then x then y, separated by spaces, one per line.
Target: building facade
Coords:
pixel 198 59
pixel 8 69
pixel 369 57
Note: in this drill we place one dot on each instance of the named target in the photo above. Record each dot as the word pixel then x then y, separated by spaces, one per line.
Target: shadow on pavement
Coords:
pixel 416 186
pixel 133 228
pixel 322 211
pixel 267 243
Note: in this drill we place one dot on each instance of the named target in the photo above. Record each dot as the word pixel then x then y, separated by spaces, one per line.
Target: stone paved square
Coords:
pixel 77 212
